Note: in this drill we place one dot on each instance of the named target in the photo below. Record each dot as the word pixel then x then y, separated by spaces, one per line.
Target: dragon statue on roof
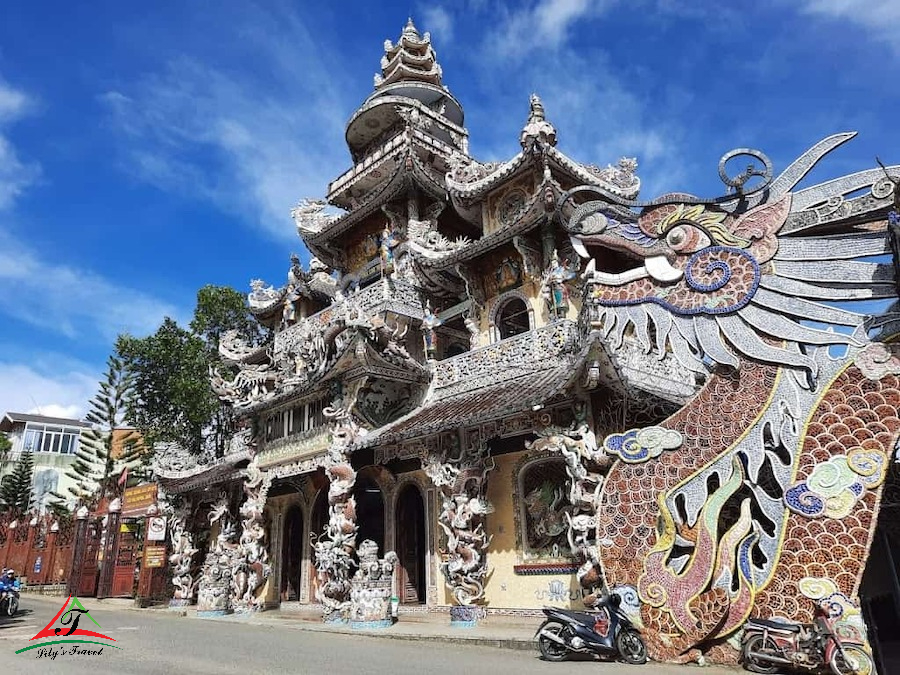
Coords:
pixel 769 504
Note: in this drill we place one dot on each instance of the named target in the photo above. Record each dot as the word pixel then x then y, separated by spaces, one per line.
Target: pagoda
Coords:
pixel 494 385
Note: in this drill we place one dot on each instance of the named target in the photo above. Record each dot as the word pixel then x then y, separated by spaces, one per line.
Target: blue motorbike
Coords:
pixel 607 632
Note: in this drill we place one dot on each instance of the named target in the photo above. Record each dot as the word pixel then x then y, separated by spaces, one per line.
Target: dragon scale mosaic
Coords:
pixel 769 505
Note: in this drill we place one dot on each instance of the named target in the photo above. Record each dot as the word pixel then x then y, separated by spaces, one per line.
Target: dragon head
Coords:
pixel 738 276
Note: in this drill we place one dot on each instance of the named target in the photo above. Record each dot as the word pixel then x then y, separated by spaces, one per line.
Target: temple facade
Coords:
pixel 498 386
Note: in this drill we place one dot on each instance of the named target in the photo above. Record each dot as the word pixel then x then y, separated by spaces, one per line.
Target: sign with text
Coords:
pixel 154 556
pixel 138 499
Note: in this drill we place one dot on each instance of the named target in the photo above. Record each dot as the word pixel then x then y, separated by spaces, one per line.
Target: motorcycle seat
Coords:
pixel 777 625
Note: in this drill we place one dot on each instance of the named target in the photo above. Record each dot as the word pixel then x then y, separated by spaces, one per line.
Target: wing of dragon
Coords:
pixel 752 290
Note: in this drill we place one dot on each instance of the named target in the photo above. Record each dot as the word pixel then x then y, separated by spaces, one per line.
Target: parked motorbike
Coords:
pixel 607 631
pixel 819 647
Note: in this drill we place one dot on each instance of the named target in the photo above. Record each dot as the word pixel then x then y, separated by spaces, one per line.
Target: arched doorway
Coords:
pixel 291 553
pixel 513 319
pixel 411 544
pixel 317 522
pixel 369 511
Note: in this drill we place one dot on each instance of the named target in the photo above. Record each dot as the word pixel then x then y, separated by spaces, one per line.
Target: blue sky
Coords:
pixel 147 149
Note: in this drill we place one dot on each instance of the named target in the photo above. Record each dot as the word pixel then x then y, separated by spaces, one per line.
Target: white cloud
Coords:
pixel 74 301
pixel 245 142
pixel 60 392
pixel 878 16
pixel 15 174
pixel 541 26
pixel 439 22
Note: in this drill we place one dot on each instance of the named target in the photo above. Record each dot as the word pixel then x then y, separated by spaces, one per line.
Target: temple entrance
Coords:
pixel 369 511
pixel 411 544
pixel 879 592
pixel 291 553
pixel 317 524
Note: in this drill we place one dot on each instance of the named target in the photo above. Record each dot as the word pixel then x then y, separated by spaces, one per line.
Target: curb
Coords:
pixel 519 644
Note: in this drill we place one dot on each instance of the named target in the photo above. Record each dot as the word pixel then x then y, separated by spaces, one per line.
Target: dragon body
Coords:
pixel 773 493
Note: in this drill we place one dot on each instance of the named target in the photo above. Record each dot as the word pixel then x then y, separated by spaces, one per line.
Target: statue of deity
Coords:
pixel 554 289
pixel 386 244
pixel 429 323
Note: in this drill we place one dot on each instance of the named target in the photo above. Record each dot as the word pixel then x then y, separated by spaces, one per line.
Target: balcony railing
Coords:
pixel 535 350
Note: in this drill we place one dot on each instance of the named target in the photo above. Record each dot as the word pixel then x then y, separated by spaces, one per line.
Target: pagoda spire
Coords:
pixel 537 128
pixel 411 59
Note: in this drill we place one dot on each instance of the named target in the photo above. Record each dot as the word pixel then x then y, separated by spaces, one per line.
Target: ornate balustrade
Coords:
pixel 538 349
pixel 387 295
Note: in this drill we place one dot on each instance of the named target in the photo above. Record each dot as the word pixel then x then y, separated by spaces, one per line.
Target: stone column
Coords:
pixel 463 485
pixel 181 560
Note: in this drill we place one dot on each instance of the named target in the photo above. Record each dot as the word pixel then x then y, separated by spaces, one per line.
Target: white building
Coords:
pixel 53 441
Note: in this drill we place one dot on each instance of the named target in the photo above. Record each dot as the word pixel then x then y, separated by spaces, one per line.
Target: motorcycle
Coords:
pixel 820 647
pixel 9 601
pixel 605 632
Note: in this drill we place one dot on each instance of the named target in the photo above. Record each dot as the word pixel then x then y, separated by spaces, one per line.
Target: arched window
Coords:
pixel 543 497
pixel 513 318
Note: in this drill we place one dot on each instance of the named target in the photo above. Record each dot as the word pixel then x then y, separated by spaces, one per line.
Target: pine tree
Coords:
pixel 96 467
pixel 5 447
pixel 16 491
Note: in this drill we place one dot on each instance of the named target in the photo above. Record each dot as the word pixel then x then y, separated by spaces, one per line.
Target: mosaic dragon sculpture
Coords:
pixel 768 503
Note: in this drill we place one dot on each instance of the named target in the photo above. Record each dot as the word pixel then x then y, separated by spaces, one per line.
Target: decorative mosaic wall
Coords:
pixel 768 507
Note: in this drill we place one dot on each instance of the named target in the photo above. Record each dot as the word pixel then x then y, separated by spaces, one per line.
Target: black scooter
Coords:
pixel 607 631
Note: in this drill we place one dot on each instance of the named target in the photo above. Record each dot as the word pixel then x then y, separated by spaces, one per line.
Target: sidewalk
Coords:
pixel 495 631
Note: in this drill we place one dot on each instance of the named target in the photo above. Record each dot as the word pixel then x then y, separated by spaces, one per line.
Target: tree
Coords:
pixel 174 401
pixel 16 489
pixel 5 447
pixel 98 464
pixel 221 308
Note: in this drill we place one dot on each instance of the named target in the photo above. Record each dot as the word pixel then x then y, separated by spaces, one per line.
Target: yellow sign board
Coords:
pixel 138 499
pixel 154 556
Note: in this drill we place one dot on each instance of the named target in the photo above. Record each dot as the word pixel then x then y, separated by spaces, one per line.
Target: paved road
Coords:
pixel 159 642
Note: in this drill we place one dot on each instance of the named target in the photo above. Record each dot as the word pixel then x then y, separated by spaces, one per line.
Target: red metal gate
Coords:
pixel 85 564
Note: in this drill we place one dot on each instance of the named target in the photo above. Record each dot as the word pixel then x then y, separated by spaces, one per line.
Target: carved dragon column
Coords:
pixel 214 586
pixel 336 546
pixel 251 566
pixel 585 466
pixel 462 480
pixel 181 560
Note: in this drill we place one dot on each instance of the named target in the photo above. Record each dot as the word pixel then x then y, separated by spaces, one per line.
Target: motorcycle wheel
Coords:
pixel 758 643
pixel 631 647
pixel 550 650
pixel 12 606
pixel 856 663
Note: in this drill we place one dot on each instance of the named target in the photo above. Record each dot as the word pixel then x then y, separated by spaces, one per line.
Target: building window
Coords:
pixel 545 503
pixel 513 318
pixel 43 438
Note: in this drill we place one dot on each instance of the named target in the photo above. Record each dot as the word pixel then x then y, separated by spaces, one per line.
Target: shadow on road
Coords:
pixel 13 621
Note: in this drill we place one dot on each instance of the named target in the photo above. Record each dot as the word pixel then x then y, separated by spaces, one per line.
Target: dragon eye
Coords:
pixel 676 237
pixel 686 238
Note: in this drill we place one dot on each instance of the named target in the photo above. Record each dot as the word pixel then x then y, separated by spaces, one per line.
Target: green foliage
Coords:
pixel 5 447
pixel 96 468
pixel 221 308
pixel 174 401
pixel 16 488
